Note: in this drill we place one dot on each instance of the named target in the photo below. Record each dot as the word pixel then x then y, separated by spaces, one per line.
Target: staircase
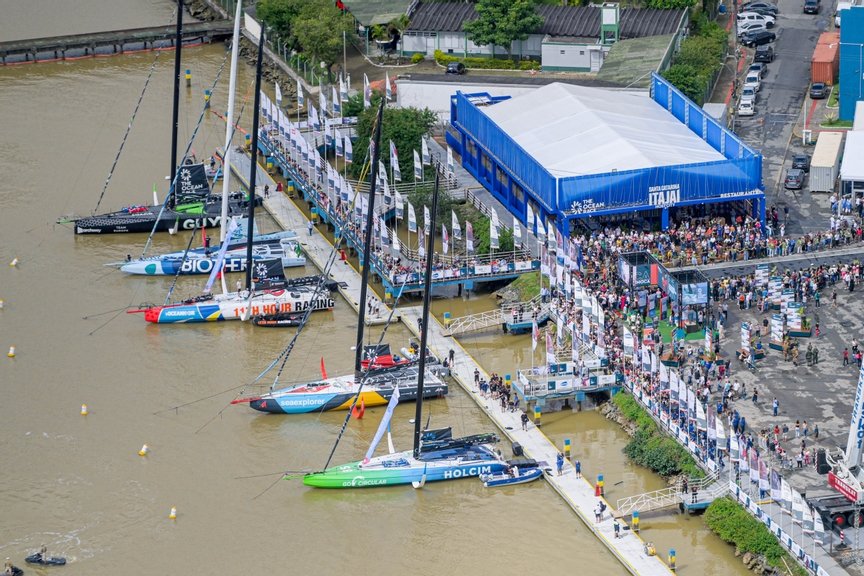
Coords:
pixel 708 490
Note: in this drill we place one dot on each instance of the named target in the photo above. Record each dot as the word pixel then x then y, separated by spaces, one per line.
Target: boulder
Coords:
pixel 747 559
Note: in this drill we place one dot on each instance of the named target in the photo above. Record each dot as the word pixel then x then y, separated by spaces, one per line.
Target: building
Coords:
pixel 579 156
pixel 571 38
pixel 851 61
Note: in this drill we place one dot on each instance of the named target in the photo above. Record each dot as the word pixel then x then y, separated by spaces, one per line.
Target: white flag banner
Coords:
pixel 412 218
pixel 454 223
pixel 517 231
pixel 322 102
pixel 418 167
pixel 337 106
pixel 426 219
pixel 367 92
pixel 394 163
pixel 400 205
pixel 395 240
pixel 301 101
pixel 493 235
pixel 450 164
pixel 278 95
pixel 340 147
pixel 421 244
pixel 445 239
pixel 343 89
pixel 349 150
pixel 818 528
pixel 530 221
pixel 388 90
pixel 427 159
pixel 469 237
pixel 550 350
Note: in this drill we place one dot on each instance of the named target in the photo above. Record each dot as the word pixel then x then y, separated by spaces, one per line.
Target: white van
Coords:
pixel 753 81
pixel 756 17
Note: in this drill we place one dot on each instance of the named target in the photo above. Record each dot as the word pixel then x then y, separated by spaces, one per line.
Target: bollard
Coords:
pixel 508 380
pixel 567 448
pixel 248 142
pixel 537 415
pixel 447 319
pixel 84 410
pixel 173 514
pixel 11 353
pixel 1 303
pixel 672 559
pixel 600 483
pixel 269 163
pixel 188 78
pixel 636 521
pixel 207 98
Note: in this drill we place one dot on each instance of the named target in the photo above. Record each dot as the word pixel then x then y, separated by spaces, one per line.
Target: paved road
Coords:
pixel 782 104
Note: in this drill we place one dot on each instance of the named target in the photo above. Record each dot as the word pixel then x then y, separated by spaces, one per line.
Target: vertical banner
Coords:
pixel 745 336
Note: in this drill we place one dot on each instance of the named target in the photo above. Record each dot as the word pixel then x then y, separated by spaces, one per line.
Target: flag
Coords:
pixel 445 239
pixel 322 102
pixel 331 176
pixel 559 331
pixel 786 495
pixel 349 150
pixel 427 159
pixel 313 118
pixel 323 370
pixel 734 451
pixel 541 230
pixel 388 91
pixel 450 165
pixel 337 107
pixel 328 133
pixel 385 423
pixel 421 244
pixel 388 197
pixel 574 343
pixel 517 232
pixel 343 189
pixel 764 481
pixel 550 236
pixel 400 206
pixel 818 528
pixel 367 92
pixel 278 95
pixel 365 206
pixel 797 507
pixel 493 235
pixel 418 168
pixel 535 334
pixel 300 100
pixel 385 240
pixel 394 163
pixel 340 148
pixel 412 218
pixel 776 492
pixel 454 223
pixel 343 89
pixel 469 237
pixel 530 221
pixel 395 239
pixel 426 219
pixel 550 350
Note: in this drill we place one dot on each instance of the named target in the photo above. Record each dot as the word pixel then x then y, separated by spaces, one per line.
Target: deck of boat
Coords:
pixel 578 493
pixel 316 246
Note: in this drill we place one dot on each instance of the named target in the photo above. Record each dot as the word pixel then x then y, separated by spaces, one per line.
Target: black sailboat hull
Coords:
pixel 124 222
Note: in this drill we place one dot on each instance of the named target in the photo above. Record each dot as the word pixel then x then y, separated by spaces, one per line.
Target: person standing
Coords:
pixel 524 421
pixel 577 465
pixel 559 463
pixel 775 406
pixel 309 227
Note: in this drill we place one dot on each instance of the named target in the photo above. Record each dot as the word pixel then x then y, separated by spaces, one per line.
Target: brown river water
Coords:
pixel 77 484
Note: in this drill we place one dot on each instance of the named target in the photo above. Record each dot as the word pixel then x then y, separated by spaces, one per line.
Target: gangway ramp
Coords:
pixel 498 317
pixel 708 489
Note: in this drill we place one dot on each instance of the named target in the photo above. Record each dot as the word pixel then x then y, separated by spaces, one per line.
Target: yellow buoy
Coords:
pixel 11 353
pixel 1 304
pixel 84 410
pixel 14 262
pixel 173 514
pixel 144 450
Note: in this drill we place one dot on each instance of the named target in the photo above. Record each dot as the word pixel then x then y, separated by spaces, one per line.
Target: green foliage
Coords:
pixel 404 126
pixel 486 63
pixel 417 58
pixel 699 58
pixel 527 286
pixel 313 27
pixel 500 22
pixel 736 526
pixel 650 447
pixel 669 4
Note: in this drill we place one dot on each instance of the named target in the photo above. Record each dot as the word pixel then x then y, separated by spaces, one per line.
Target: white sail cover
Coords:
pixel 220 258
pixel 385 423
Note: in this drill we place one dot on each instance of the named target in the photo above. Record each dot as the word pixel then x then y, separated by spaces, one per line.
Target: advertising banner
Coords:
pixel 762 273
pixel 787 296
pixel 745 336
pixel 794 315
pixel 777 328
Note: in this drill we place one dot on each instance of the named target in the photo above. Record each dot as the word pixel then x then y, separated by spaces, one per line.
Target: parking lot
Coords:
pixel 782 109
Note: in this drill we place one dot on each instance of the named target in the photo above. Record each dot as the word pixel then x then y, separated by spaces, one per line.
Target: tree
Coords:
pixel 687 79
pixel 500 22
pixel 280 16
pixel 319 31
pixel 404 126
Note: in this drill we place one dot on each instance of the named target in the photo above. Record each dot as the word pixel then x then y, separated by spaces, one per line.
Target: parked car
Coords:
pixel 812 6
pixel 746 108
pixel 818 91
pixel 794 179
pixel 758 68
pixel 749 27
pixel 764 54
pixel 752 80
pixel 749 93
pixel 455 68
pixel 758 38
pixel 759 5
pixel 756 17
pixel 801 161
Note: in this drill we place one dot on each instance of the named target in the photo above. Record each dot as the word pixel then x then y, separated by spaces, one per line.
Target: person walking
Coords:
pixel 577 465
pixel 309 227
pixel 845 357
pixel 559 463
pixel 695 492
pixel 775 406
pixel 524 421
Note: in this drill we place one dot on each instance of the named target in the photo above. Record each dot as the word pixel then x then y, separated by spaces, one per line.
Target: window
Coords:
pixel 502 178
pixel 471 149
pixel 563 51
pixel 518 193
pixel 581 52
pixel 487 164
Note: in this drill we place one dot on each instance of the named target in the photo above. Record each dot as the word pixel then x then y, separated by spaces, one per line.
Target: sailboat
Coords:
pixel 436 456
pixel 189 205
pixel 377 376
pixel 267 292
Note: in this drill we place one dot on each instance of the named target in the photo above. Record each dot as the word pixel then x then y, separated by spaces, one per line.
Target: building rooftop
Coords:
pixel 576 130
pixel 374 12
pixel 578 21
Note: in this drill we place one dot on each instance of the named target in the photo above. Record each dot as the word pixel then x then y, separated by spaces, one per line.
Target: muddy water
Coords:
pixel 77 484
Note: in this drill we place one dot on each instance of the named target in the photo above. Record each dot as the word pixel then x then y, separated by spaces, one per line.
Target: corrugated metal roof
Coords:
pixel 372 12
pixel 581 21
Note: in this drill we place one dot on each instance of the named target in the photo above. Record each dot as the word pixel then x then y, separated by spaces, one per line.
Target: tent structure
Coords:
pixel 852 168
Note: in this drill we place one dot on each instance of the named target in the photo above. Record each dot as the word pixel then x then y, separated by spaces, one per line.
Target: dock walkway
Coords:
pixel 576 491
pixel 316 246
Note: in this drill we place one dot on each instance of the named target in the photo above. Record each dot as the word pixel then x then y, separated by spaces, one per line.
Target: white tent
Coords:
pixel 576 130
pixel 852 168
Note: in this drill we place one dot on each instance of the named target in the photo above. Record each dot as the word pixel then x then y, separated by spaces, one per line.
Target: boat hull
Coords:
pixel 355 475
pixel 324 400
pixel 123 222
pixel 236 307
pixel 197 265
pixel 498 480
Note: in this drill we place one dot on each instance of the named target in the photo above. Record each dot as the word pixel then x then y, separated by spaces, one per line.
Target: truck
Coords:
pixel 845 472
pixel 825 164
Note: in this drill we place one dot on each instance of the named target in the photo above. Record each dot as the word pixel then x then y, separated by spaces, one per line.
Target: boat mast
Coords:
pixel 424 316
pixel 229 129
pixel 367 240
pixel 254 164
pixel 175 122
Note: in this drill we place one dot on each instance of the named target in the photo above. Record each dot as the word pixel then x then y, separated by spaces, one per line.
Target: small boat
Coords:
pixel 38 558
pixel 280 320
pixel 517 472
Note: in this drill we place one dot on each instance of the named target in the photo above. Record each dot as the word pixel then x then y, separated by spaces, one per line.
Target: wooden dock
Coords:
pixel 578 493
pixel 316 246
pixel 77 46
